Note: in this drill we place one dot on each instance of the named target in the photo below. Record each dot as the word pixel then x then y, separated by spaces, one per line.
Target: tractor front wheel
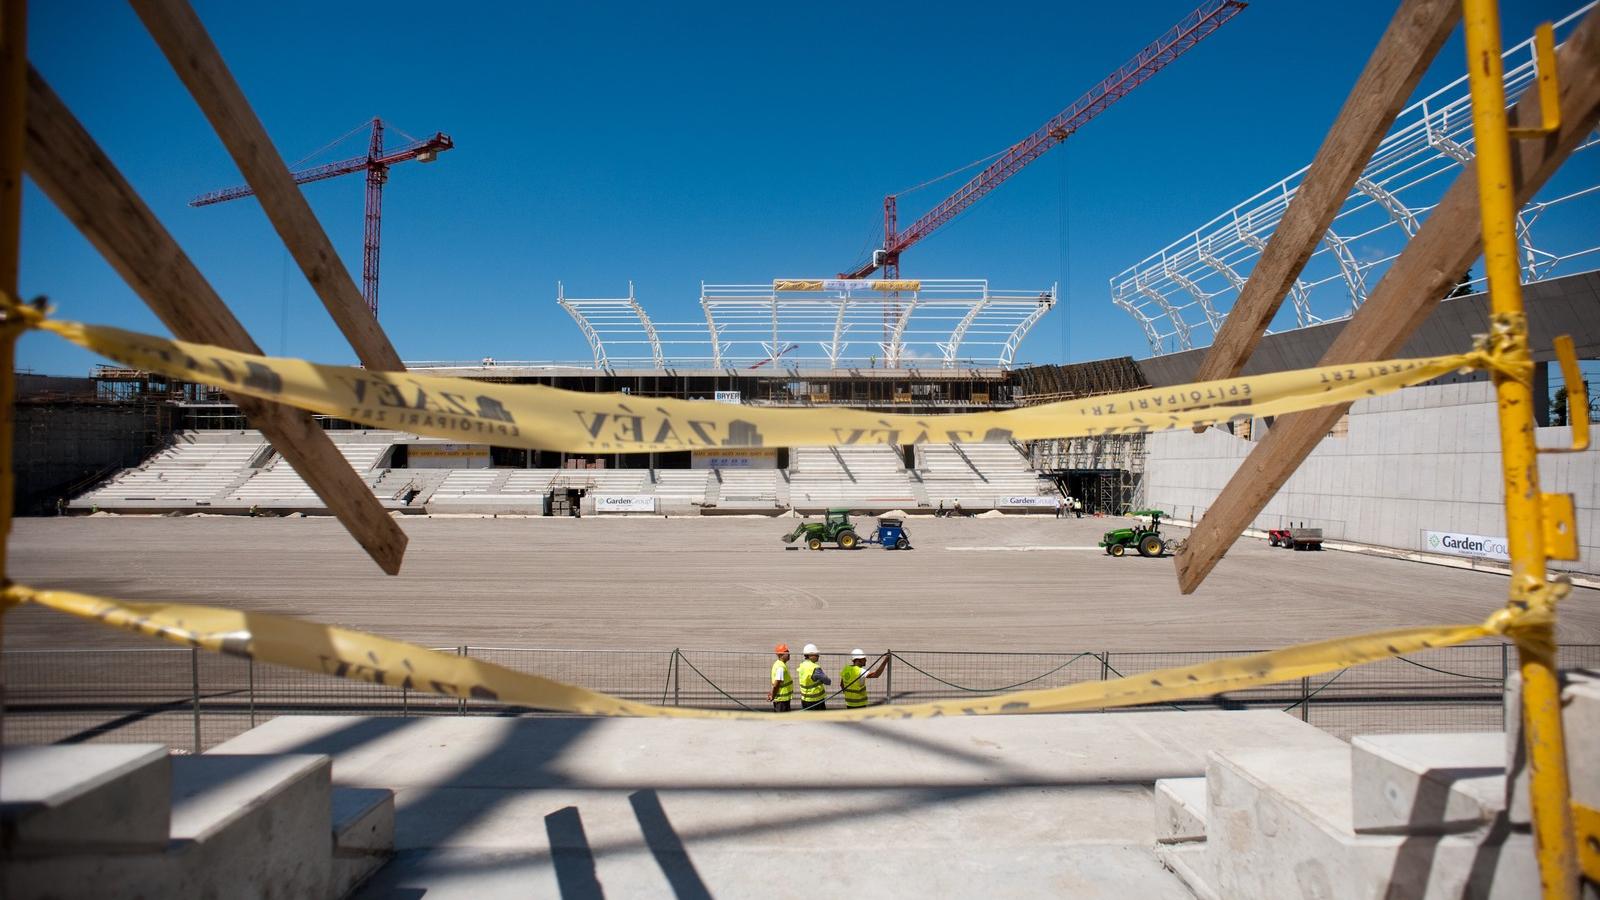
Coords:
pixel 847 540
pixel 814 543
pixel 1150 545
pixel 1116 549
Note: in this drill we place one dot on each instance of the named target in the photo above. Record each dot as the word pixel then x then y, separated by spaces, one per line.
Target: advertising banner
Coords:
pixel 734 459
pixel 624 503
pixel 1457 544
pixel 448 456
pixel 1047 502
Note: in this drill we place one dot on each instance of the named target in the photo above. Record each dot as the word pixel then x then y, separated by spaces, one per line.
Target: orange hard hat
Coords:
pixel 781 648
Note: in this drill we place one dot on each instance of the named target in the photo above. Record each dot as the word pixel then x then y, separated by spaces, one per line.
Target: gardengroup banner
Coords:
pixel 1456 543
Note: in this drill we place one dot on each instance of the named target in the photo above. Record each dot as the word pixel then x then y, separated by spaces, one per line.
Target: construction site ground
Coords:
pixel 1013 583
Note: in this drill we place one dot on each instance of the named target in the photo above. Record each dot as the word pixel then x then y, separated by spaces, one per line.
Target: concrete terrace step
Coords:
pixel 87 795
pixel 363 836
pixel 1427 783
pixel 1180 810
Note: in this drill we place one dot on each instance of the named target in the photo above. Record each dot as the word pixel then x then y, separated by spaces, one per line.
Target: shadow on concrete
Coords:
pixel 1413 863
pixel 571 856
pixel 667 847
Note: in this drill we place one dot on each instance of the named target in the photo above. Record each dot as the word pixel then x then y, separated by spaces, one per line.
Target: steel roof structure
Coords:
pixel 1180 294
pixel 818 324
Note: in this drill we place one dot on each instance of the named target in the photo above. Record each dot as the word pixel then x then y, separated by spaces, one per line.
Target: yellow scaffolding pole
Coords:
pixel 1525 505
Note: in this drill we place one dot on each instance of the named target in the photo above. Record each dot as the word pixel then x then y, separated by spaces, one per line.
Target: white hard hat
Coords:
pixel 858 653
pixel 808 649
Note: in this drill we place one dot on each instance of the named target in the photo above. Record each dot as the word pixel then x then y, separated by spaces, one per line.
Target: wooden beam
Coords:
pixel 189 49
pixel 1430 266
pixel 1416 32
pixel 71 169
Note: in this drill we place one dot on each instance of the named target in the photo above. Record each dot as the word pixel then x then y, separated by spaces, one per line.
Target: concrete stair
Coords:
pixel 1394 816
pixel 130 820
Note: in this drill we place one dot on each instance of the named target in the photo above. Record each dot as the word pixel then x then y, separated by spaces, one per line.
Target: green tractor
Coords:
pixel 1147 541
pixel 835 527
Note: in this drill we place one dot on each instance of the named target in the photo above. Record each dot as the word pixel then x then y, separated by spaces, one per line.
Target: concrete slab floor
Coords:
pixel 1012 583
pixel 1005 805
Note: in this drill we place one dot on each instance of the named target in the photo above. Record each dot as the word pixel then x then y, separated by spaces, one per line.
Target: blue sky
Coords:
pixel 669 143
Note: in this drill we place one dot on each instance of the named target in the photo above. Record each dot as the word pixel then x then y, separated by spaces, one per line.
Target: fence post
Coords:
pixel 676 653
pixel 1105 670
pixel 1305 699
pixel 250 666
pixel 194 682
pixel 1504 677
pixel 888 680
pixel 461 702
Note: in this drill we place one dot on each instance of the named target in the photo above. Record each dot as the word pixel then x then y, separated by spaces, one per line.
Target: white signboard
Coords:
pixel 1050 502
pixel 734 459
pixel 448 456
pixel 734 397
pixel 1457 544
pixel 624 503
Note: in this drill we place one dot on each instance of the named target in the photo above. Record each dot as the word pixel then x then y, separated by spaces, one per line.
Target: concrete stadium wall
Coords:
pixel 61 446
pixel 1421 459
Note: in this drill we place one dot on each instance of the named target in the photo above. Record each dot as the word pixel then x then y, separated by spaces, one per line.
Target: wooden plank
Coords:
pixel 1430 266
pixel 71 169
pixel 1408 46
pixel 189 49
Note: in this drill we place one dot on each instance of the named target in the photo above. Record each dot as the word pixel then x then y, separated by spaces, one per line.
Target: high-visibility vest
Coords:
pixel 811 690
pixel 854 680
pixel 780 677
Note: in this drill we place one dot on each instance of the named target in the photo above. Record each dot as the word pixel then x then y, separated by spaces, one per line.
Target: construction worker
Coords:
pixel 854 678
pixel 813 681
pixel 782 690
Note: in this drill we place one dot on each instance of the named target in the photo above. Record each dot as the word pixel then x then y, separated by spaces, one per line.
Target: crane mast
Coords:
pixel 1194 28
pixel 376 164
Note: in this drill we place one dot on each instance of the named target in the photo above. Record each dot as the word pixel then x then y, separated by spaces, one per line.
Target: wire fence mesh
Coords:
pixel 193 701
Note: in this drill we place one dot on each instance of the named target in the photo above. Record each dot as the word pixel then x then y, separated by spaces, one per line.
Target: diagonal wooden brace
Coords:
pixel 1404 52
pixel 177 30
pixel 1449 240
pixel 78 177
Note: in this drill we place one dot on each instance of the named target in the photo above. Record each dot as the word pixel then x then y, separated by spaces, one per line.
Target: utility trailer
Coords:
pixel 1295 538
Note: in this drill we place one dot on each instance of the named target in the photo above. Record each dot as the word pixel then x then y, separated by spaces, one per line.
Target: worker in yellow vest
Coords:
pixel 813 681
pixel 853 678
pixel 782 690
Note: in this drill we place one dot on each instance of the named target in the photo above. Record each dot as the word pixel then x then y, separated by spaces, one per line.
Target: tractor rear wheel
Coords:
pixel 814 543
pixel 847 540
pixel 902 544
pixel 1150 545
pixel 1116 549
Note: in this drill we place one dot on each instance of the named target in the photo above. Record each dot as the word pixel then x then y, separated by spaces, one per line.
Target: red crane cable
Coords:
pixel 1194 28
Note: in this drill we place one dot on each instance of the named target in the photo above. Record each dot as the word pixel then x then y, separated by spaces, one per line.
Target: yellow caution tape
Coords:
pixel 344 653
pixel 548 418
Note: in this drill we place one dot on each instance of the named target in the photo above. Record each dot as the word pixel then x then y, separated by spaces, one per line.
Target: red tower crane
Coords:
pixel 376 164
pixel 1152 59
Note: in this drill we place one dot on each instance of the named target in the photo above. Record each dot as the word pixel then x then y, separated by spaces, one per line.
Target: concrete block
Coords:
pixel 106 796
pixel 1191 862
pixel 1180 810
pixel 1279 825
pixel 1427 783
pixel 242 826
pixel 1581 726
pixel 363 836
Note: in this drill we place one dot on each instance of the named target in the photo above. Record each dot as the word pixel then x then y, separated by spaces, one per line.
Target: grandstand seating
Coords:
pixel 748 488
pixel 975 475
pixel 212 470
pixel 186 474
pixel 278 484
pixel 849 476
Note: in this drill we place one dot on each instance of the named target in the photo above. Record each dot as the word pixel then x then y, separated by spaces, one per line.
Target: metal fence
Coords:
pixel 193 701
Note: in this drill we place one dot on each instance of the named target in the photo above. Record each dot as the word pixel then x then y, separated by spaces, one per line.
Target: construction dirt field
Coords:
pixel 1014 583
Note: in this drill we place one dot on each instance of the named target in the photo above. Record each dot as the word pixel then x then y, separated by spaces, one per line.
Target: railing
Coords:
pixel 194 701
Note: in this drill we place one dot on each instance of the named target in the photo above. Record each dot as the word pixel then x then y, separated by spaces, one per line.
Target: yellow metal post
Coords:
pixel 1541 693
